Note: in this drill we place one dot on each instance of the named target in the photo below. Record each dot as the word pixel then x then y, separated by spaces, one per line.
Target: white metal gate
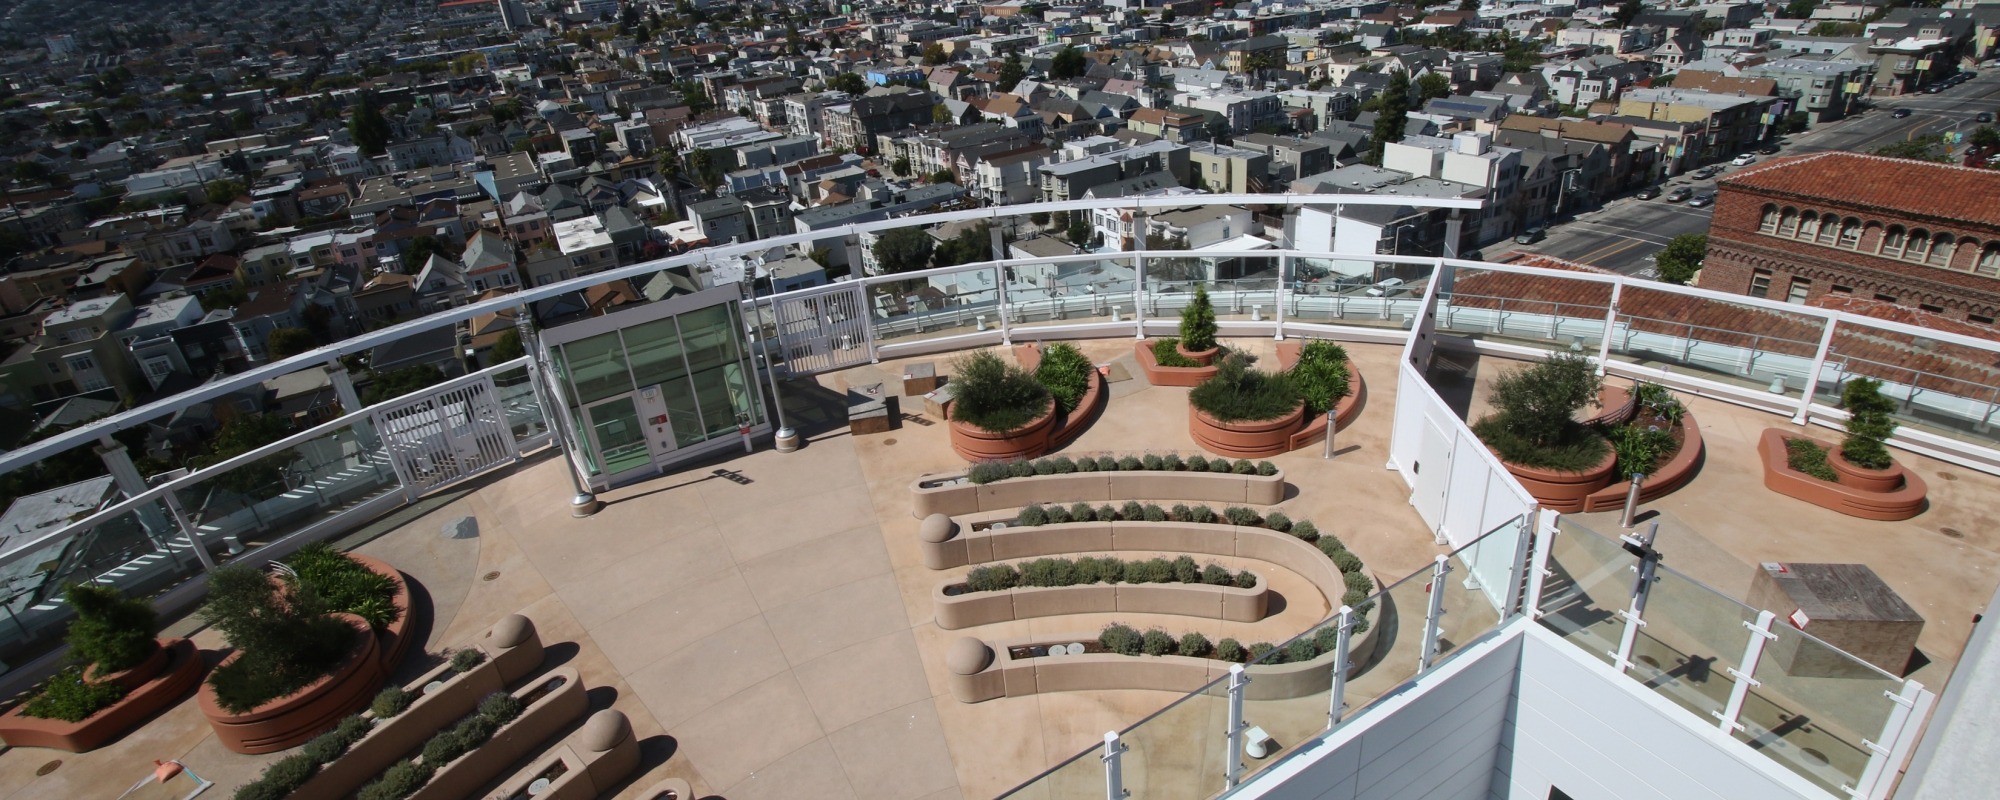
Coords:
pixel 447 435
pixel 823 331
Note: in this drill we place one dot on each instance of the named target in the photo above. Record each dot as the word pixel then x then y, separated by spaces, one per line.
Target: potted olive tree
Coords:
pixel 1534 430
pixel 120 675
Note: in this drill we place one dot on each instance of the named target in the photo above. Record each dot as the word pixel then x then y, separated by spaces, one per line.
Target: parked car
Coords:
pixel 1387 287
pixel 1701 200
pixel 1901 113
pixel 1769 150
pixel 1680 194
pixel 1984 116
pixel 1744 160
pixel 1649 193
pixel 1531 235
pixel 1707 172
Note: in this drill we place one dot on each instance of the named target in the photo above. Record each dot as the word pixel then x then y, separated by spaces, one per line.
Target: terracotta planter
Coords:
pixel 1259 439
pixel 1905 500
pixel 1142 351
pixel 1675 473
pixel 177 667
pixel 291 720
pixel 1204 357
pixel 1564 491
pixel 138 674
pixel 1859 477
pixel 1027 441
pixel 395 636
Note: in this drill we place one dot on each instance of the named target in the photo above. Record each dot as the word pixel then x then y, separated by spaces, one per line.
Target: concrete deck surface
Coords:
pixel 773 638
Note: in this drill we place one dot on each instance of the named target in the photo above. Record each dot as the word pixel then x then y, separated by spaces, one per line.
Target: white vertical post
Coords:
pixel 1888 752
pixel 1610 326
pixel 1545 532
pixel 1001 281
pixel 1760 633
pixel 1517 571
pixel 1642 589
pixel 1114 770
pixel 1434 615
pixel 1139 295
pixel 1336 702
pixel 1278 299
pixel 1812 374
pixel 1232 755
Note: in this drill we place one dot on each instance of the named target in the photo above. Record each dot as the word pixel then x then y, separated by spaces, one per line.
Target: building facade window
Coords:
pixel 1800 289
pixel 1941 250
pixel 1769 224
pixel 1893 241
pixel 1989 260
pixel 1850 234
pixel 1760 283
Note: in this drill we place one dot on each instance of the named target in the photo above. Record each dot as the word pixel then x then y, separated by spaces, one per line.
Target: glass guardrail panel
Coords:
pixel 263 499
pixel 1541 311
pixel 1386 652
pixel 1738 343
pixel 1079 778
pixel 140 551
pixel 519 401
pixel 1287 695
pixel 936 305
pixel 1177 753
pixel 1355 292
pixel 1101 290
pixel 1590 583
pixel 1813 706
pixel 1469 610
pixel 1941 388
pixel 1692 640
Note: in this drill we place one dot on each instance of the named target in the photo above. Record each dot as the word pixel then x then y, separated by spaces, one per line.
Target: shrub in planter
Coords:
pixel 1230 650
pixel 467 660
pixel 1266 469
pixel 1032 515
pixel 1329 544
pixel 1105 513
pixel 1808 457
pixel 1155 513
pixel 1238 515
pixel 1217 575
pixel 1327 639
pixel 111 632
pixel 1869 424
pixel 1304 529
pixel 1086 464
pixel 1202 515
pixel 1656 402
pixel 1107 464
pixel 1301 649
pixel 1058 515
pixel 71 698
pixel 1082 512
pixel 1131 463
pixel 1168 353
pixel 1065 372
pixel 1198 326
pixel 1219 466
pixel 1132 510
pixel 286 775
pixel 1021 469
pixel 334 743
pixel 1193 645
pixel 1173 462
pixel 1259 650
pixel 993 395
pixel 1185 570
pixel 1044 466
pixel 1244 467
pixel 1245 579
pixel 1277 522
pixel 1238 393
pixel 1156 642
pixel 1321 375
pixel 989 471
pixel 1640 447
pixel 1121 639
pixel 1534 422
pixel 1354 597
pixel 285 640
pixel 1358 580
pixel 1346 561
pixel 391 702
pixel 1153 462
pixel 1063 465
pixel 1156 570
pixel 400 780
pixel 1197 463
pixel 344 585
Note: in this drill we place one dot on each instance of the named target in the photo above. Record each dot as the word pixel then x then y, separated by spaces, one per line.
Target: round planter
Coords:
pixel 1260 439
pixel 291 720
pixel 1203 357
pixel 1564 491
pixel 138 674
pixel 1027 441
pixel 1863 478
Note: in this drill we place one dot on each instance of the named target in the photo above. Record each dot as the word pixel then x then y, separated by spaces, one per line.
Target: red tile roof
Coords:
pixel 1894 185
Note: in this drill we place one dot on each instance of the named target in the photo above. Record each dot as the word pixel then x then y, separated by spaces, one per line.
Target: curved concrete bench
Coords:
pixel 951 494
pixel 538 722
pixel 593 760
pixel 1899 504
pixel 947 544
pixel 1028 602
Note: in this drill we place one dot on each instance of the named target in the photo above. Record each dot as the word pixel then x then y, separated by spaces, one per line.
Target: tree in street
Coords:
pixel 1078 230
pixel 849 82
pixel 1393 116
pixel 1433 86
pixel 903 250
pixel 288 342
pixel 1920 149
pixel 900 166
pixel 396 383
pixel 1011 71
pixel 1682 257
pixel 508 347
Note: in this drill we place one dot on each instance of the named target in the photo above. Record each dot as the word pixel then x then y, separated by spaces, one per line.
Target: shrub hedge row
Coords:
pixel 405 777
pixel 1125 640
pixel 992 471
pixel 1047 572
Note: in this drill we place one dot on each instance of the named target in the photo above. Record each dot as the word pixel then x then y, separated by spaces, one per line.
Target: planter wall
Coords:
pixel 1071 425
pixel 1258 439
pixel 508 646
pixel 1258 544
pixel 1664 480
pixel 595 758
pixel 1564 491
pixel 467 774
pixel 1859 477
pixel 291 720
pixel 176 667
pixel 965 497
pixel 1344 411
pixel 1027 441
pixel 1028 602
pixel 1142 351
pixel 1905 501
pixel 396 635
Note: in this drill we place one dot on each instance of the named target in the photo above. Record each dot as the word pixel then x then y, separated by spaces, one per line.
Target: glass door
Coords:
pixel 617 437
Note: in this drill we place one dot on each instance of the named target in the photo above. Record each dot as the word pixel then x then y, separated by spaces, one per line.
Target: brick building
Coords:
pixel 1911 233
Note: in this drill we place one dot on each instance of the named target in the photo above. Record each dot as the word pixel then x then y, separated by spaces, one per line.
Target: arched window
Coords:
pixel 1941 250
pixel 1808 225
pixel 1989 260
pixel 1920 245
pixel 1829 226
pixel 1893 241
pixel 1769 224
pixel 1788 222
pixel 1850 233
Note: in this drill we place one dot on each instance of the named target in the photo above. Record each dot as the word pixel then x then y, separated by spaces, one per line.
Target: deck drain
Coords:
pixel 1950 476
pixel 1814 755
pixel 490 575
pixel 48 768
pixel 1952 532
pixel 886 442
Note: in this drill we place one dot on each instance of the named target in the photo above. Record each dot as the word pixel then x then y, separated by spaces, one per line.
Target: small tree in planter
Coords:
pixel 1534 424
pixel 1198 323
pixel 284 637
pixel 995 396
pixel 110 634
pixel 1321 375
pixel 1869 424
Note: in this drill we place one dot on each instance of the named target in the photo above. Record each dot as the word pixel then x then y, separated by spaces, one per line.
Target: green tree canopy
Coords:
pixel 1926 148
pixel 288 342
pixel 508 347
pixel 903 250
pixel 1432 86
pixel 1011 71
pixel 849 82
pixel 1682 257
pixel 1068 63
pixel 900 166
pixel 1393 116
pixel 368 127
pixel 396 383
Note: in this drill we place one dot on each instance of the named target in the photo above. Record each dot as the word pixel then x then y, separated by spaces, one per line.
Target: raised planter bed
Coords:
pixel 1560 490
pixel 967 609
pixel 1860 498
pixel 1027 441
pixel 1344 411
pixel 1257 439
pixel 595 758
pixel 395 636
pixel 291 720
pixel 977 671
pixel 961 546
pixel 560 702
pixel 952 494
pixel 1678 470
pixel 1598 488
pixel 1070 424
pixel 512 648
pixel 1142 351
pixel 154 684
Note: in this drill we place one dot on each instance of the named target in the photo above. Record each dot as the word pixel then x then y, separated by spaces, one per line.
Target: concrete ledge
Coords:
pixel 951 494
pixel 465 775
pixel 971 609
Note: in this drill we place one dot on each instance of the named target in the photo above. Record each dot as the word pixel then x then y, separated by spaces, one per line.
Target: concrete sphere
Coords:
pixel 968 656
pixel 604 730
pixel 511 630
pixel 937 528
